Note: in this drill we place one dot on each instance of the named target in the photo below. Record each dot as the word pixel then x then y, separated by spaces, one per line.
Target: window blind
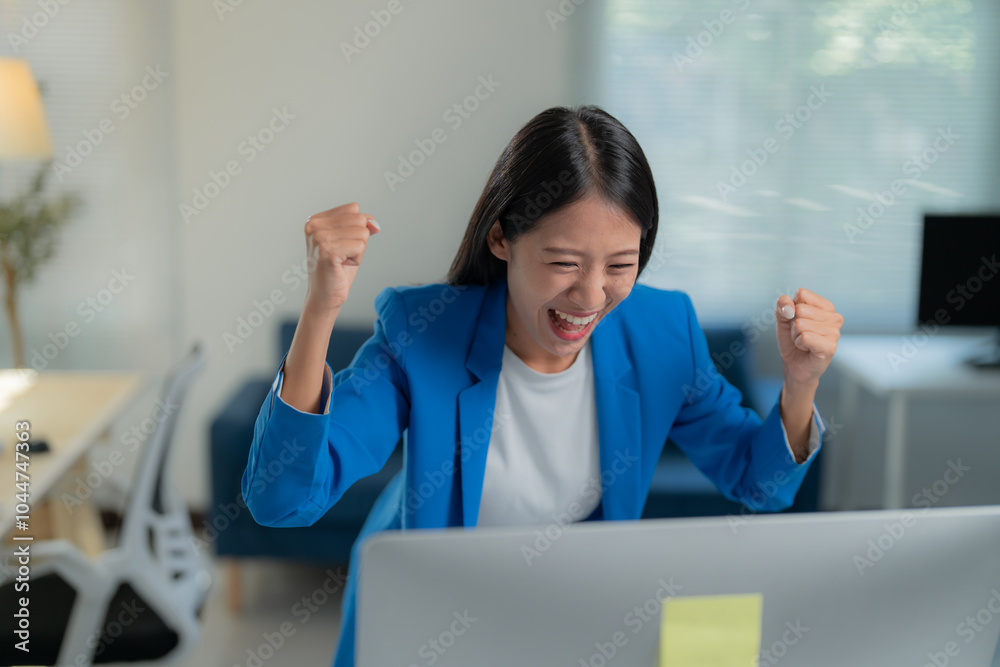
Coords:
pixel 798 143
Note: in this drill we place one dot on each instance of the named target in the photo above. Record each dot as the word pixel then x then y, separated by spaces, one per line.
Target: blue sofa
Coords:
pixel 678 488
pixel 234 531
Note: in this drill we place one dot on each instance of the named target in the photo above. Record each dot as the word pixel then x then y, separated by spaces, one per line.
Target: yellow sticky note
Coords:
pixel 711 631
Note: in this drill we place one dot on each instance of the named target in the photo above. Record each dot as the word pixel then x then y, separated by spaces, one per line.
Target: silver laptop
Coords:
pixel 882 588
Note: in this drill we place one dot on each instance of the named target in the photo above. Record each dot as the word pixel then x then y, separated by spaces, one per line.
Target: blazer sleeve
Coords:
pixel 747 459
pixel 300 464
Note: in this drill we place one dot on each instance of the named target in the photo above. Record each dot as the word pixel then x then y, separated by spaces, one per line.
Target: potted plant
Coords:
pixel 29 227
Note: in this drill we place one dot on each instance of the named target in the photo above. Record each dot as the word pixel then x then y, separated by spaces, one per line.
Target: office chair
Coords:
pixel 138 601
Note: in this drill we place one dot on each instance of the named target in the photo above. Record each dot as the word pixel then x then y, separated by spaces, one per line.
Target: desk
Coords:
pixel 71 411
pixel 901 369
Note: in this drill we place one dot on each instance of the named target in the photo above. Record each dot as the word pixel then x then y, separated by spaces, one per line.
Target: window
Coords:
pixel 798 143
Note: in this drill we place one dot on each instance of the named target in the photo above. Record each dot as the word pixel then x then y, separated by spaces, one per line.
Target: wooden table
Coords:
pixel 71 410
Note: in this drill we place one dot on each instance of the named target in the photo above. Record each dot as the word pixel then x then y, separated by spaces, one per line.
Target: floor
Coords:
pixel 284 602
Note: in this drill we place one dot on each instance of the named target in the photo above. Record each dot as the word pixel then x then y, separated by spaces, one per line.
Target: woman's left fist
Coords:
pixel 808 330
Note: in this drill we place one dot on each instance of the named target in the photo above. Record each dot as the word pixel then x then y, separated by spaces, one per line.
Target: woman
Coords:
pixel 540 381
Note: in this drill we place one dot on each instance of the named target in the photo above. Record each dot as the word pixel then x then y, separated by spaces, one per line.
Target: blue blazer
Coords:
pixel 429 374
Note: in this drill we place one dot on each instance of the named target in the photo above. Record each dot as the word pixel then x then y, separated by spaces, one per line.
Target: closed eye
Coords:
pixel 614 266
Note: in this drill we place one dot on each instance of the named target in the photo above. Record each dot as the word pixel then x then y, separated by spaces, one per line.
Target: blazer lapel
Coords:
pixel 477 402
pixel 618 423
pixel 618 415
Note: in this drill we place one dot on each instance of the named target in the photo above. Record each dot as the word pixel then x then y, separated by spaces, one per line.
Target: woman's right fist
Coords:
pixel 335 242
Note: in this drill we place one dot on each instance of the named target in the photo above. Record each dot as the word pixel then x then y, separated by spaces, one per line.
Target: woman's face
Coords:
pixel 581 261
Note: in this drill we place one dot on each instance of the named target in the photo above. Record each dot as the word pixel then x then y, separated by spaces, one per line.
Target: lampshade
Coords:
pixel 24 134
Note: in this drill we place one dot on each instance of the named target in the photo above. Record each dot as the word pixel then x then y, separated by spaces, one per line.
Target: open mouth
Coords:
pixel 570 329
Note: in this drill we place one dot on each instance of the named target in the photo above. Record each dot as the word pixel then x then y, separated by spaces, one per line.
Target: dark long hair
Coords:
pixel 557 158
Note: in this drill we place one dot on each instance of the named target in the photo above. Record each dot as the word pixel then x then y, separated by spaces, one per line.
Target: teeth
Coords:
pixel 572 324
pixel 574 320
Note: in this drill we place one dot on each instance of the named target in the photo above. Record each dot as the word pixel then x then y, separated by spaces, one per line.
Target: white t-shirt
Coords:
pixel 542 462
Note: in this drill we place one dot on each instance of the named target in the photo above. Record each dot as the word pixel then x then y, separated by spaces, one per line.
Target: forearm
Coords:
pixel 305 363
pixel 796 414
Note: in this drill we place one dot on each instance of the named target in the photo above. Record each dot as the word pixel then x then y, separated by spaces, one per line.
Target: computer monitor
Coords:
pixel 960 277
pixel 887 587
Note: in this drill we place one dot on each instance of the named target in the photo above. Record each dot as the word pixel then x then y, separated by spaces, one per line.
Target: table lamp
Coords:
pixel 24 135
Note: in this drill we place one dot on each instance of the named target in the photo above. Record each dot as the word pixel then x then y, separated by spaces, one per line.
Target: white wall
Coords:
pixel 352 121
